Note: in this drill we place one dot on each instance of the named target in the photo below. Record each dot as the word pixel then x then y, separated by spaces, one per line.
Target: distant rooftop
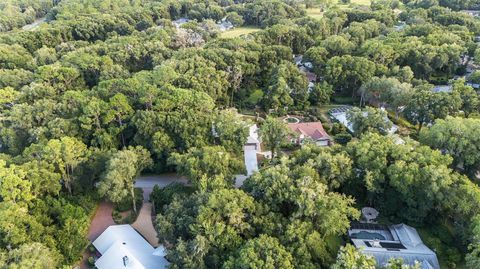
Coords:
pixel 442 88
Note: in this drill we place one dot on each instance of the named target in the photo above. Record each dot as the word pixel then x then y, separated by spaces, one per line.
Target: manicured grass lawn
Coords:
pixel 236 32
pixel 326 108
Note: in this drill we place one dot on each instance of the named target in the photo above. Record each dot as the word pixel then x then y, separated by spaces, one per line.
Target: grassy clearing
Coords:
pixel 362 2
pixel 239 31
pixel 314 12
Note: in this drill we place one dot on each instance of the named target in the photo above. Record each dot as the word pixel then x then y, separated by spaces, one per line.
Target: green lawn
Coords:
pixel 239 31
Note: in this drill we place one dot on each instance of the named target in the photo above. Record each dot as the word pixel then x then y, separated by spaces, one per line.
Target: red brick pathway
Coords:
pixel 100 222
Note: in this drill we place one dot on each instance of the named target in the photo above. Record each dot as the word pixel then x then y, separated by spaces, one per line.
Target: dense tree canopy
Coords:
pixel 94 92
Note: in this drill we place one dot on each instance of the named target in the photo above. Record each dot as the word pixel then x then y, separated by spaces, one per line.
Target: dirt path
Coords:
pixel 144 224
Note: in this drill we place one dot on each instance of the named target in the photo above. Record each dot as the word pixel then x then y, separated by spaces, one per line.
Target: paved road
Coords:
pixel 32 26
pixel 148 182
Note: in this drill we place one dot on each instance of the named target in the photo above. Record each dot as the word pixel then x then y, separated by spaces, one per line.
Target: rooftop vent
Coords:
pixel 125 261
pixel 375 244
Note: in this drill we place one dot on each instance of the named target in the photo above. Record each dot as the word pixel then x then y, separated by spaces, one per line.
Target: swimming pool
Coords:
pixel 367 235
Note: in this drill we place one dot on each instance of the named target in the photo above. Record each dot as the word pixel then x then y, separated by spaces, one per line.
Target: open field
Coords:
pixel 236 32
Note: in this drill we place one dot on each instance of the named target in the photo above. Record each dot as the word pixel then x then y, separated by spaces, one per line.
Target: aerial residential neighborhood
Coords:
pixel 240 134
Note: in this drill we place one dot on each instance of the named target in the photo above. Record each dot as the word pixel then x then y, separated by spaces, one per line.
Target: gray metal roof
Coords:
pixel 410 246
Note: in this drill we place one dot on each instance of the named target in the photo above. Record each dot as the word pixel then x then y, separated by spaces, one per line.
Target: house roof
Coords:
pixel 120 241
pixel 396 241
pixel 442 88
pixel 313 130
pixel 311 76
pixel 253 137
pixel 250 156
pixel 340 115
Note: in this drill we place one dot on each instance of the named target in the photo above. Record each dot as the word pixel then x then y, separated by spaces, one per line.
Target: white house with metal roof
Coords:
pixel 123 247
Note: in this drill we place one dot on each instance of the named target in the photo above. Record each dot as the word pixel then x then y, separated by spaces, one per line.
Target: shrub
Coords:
pixel 342 138
pixel 338 128
pixel 164 196
pixel 117 218
pixel 91 261
pixel 126 204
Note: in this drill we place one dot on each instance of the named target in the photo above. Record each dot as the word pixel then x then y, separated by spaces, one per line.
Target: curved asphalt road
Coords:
pixel 148 182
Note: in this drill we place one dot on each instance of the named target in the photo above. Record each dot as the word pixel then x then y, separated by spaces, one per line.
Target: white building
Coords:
pixel 178 23
pixel 442 88
pixel 123 247
pixel 225 25
pixel 251 148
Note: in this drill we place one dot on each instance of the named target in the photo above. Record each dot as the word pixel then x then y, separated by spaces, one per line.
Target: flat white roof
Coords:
pixel 119 241
pixel 251 162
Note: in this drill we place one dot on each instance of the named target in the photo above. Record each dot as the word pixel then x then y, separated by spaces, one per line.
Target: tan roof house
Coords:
pixel 312 131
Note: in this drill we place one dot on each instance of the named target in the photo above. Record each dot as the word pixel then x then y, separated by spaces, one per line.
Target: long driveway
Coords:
pixel 148 182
